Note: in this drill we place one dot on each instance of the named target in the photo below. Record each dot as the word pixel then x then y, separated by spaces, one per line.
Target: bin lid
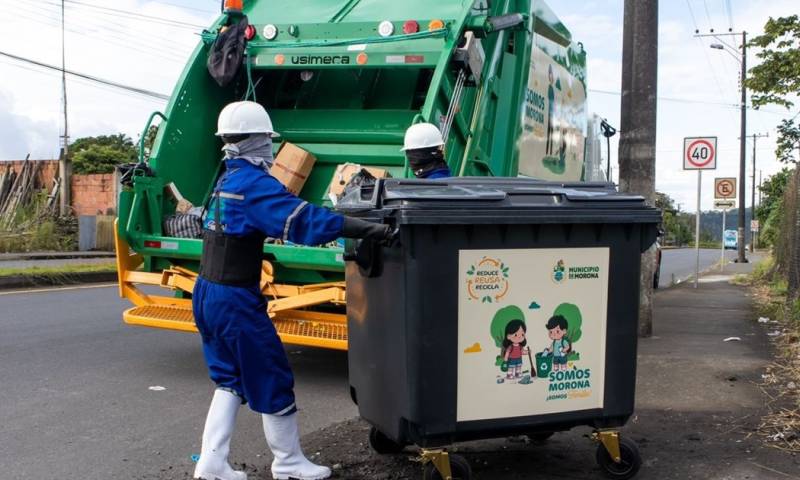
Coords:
pixel 481 200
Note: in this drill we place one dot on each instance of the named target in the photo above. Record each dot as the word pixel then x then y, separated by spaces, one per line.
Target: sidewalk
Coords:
pixel 698 404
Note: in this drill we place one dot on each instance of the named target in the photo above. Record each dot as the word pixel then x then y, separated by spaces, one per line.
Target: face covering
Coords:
pixel 256 149
pixel 425 160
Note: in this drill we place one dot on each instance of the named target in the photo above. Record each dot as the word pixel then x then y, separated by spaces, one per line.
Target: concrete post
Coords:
pixel 637 149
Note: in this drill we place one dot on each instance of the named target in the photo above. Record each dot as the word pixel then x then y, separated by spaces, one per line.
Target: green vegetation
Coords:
pixel 677 225
pixel 59 271
pixel 101 154
pixel 770 212
pixel 775 79
pixel 58 234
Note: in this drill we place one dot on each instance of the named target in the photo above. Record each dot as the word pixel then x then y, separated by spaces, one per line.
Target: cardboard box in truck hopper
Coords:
pixel 292 166
pixel 346 171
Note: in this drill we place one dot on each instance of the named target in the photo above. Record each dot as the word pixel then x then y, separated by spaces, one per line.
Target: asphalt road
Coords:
pixel 677 265
pixel 75 398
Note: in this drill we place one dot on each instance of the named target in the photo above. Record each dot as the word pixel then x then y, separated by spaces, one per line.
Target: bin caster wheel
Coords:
pixel 459 467
pixel 629 464
pixel 383 444
pixel 540 437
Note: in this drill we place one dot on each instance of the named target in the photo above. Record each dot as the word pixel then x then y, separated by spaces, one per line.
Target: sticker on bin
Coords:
pixel 531 331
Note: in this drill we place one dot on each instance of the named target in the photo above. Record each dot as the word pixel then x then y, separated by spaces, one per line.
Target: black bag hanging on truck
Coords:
pixel 227 52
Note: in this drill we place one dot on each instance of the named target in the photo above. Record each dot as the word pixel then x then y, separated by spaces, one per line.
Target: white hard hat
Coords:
pixel 240 118
pixel 422 135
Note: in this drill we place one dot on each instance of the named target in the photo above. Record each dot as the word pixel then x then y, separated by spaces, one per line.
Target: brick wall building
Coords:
pixel 94 194
pixel 91 194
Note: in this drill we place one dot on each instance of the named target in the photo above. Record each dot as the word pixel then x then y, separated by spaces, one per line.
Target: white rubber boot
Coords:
pixel 213 463
pixel 283 438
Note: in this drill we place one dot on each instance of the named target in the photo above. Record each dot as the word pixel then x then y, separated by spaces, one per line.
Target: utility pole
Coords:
pixel 64 167
pixel 755 137
pixel 742 144
pixel 637 148
pixel 742 59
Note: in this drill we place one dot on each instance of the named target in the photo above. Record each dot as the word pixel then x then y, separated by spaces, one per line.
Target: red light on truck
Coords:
pixel 279 59
pixel 362 58
pixel 250 33
pixel 410 26
pixel 152 244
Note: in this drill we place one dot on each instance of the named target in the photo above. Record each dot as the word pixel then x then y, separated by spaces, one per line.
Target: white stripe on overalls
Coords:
pixel 285 410
pixel 232 196
pixel 291 217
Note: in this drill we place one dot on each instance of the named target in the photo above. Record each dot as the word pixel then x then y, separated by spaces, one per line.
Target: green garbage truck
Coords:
pixel 343 80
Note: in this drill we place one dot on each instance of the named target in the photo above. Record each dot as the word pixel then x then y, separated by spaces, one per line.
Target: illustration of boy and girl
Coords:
pixel 515 345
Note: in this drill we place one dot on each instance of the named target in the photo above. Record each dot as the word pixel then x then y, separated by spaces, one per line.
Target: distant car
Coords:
pixel 730 240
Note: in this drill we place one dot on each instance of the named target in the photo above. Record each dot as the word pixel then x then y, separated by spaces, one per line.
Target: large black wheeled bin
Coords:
pixel 506 306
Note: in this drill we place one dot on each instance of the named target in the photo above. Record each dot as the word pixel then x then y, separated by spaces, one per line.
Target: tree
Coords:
pixel 772 190
pixel 770 212
pixel 101 154
pixel 788 141
pixel 677 228
pixel 778 75
pixel 777 78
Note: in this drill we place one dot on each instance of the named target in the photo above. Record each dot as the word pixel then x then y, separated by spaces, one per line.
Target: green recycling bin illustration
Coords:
pixel 544 364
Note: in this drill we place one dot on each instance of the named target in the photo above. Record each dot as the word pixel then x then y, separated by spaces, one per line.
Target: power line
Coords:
pixel 110 83
pixel 81 81
pixel 138 15
pixel 705 53
pixel 188 8
pixel 708 16
pixel 117 13
pixel 729 10
pixel 692 101
pixel 109 37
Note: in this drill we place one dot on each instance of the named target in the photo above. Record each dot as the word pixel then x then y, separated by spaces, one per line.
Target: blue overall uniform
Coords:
pixel 242 349
pixel 438 173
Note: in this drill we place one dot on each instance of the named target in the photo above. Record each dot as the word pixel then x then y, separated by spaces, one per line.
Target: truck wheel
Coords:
pixel 383 444
pixel 540 437
pixel 628 467
pixel 459 467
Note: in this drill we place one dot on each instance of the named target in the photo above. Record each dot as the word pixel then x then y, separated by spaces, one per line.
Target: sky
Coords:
pixel 697 86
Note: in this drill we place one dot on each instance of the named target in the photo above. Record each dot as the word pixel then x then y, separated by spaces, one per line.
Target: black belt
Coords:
pixel 232 260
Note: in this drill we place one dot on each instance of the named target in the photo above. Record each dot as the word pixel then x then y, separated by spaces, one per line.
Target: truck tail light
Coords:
pixel 435 25
pixel 410 26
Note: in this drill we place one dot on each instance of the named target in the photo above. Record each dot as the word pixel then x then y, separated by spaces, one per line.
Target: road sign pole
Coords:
pixel 722 256
pixel 697 230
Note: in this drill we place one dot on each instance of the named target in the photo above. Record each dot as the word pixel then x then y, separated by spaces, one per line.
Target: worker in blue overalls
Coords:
pixel 243 352
pixel 424 146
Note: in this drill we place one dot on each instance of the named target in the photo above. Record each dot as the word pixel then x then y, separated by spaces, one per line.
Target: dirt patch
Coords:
pixel 780 427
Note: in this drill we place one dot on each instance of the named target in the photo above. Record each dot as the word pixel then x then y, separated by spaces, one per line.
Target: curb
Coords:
pixel 30 281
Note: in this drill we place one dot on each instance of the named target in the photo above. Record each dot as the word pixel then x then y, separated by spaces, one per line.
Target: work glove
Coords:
pixel 357 228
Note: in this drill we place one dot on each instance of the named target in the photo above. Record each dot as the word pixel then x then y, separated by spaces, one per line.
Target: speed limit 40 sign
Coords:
pixel 700 153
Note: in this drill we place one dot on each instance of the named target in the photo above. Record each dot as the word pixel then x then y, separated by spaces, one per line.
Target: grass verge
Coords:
pixel 780 428
pixel 58 271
